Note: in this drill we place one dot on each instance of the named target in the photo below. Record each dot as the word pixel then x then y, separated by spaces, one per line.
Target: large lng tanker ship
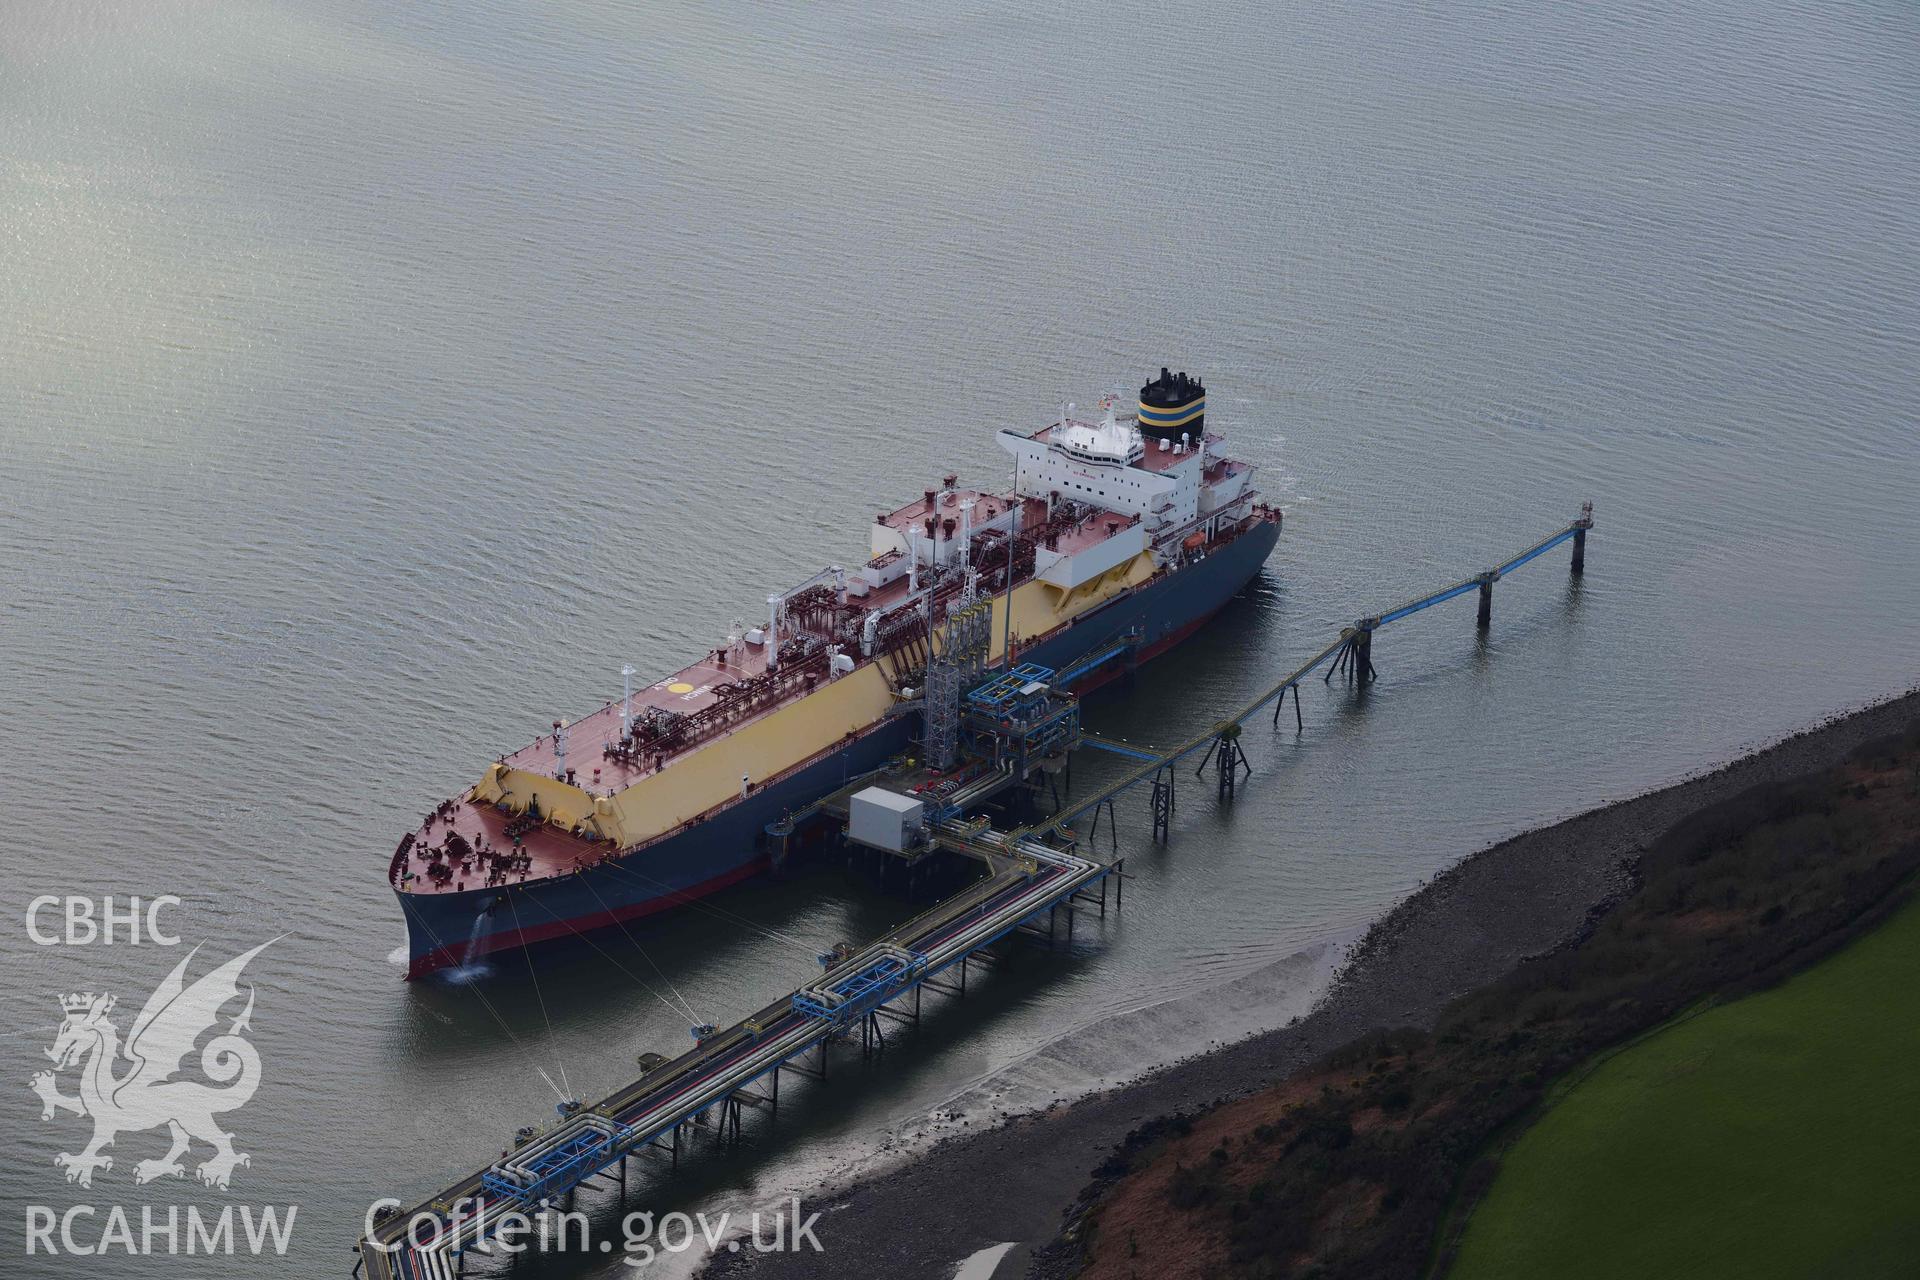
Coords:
pixel 1123 527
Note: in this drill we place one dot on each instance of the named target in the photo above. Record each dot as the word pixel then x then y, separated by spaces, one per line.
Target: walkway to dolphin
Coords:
pixel 1351 653
pixel 1028 876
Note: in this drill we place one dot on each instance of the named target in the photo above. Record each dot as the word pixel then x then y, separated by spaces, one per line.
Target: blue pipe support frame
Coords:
pixel 1416 606
pixel 1558 538
pixel 1118 748
pixel 1474 583
pixel 1088 665
pixel 887 977
pixel 562 1168
pixel 1005 689
pixel 1156 761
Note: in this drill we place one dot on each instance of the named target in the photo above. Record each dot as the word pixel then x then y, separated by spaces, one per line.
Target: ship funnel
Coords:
pixel 1171 405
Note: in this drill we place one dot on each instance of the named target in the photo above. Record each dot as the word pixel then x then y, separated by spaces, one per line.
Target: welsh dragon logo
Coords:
pixel 145 1095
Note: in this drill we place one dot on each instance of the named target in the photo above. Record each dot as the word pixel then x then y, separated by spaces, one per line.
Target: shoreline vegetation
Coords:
pixel 1769 1136
pixel 1340 1144
pixel 1351 1167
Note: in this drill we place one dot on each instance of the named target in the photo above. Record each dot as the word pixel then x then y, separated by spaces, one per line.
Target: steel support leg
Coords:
pixel 1281 705
pixel 1228 761
pixel 1342 661
pixel 950 988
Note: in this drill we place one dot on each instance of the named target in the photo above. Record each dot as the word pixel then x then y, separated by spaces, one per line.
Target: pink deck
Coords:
pixel 589 736
pixel 991 505
pixel 550 852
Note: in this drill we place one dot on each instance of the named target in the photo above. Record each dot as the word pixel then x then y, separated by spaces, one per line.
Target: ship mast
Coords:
pixel 1013 538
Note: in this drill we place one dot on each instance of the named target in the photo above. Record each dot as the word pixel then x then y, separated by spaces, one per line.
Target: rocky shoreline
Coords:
pixel 1470 925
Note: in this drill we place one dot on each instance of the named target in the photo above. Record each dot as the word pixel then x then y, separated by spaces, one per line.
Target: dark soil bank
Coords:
pixel 1468 928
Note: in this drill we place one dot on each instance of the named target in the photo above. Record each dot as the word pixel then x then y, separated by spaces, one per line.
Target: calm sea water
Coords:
pixel 376 378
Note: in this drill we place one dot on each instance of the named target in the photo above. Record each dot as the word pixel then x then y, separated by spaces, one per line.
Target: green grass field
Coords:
pixel 1777 1136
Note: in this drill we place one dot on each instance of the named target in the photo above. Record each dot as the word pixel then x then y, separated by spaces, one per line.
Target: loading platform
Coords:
pixel 1030 872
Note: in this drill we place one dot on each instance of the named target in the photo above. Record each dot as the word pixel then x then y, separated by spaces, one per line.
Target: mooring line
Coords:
pixel 532 1060
pixel 553 1044
pixel 651 990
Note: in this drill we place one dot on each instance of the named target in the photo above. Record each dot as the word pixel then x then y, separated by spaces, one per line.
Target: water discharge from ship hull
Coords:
pixel 472 966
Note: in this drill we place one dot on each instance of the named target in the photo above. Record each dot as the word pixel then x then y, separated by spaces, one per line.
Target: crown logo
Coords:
pixel 76 1003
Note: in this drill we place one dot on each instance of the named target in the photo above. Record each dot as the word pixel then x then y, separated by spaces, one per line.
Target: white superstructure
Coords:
pixel 1172 487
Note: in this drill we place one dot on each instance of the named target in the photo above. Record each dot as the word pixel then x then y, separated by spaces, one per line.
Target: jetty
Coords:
pixel 1012 728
